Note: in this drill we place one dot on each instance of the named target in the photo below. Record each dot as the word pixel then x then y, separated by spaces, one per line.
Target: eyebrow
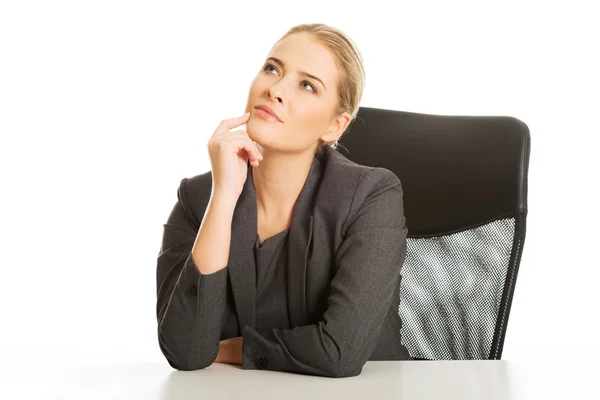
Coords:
pixel 278 61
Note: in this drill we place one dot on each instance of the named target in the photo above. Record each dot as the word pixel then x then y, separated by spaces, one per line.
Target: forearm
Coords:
pixel 211 248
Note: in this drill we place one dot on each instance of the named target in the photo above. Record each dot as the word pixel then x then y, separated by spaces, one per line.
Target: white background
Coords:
pixel 106 105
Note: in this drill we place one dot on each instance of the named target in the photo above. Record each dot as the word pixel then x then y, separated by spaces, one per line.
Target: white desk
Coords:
pixel 379 380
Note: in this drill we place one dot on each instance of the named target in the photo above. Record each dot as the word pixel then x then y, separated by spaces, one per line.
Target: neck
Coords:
pixel 278 181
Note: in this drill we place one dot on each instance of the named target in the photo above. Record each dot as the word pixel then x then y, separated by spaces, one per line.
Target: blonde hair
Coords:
pixel 351 78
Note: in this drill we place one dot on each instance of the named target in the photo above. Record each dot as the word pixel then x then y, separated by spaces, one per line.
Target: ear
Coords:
pixel 337 128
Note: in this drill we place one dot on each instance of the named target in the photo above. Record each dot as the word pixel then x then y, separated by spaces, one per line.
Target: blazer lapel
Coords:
pixel 300 239
pixel 242 266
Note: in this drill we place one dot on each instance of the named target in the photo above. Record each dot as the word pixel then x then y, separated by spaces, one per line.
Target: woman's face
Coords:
pixel 304 104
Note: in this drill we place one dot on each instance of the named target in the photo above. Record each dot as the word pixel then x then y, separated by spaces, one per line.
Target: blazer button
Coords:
pixel 192 290
pixel 262 362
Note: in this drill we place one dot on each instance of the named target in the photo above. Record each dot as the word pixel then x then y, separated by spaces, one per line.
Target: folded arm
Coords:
pixel 191 307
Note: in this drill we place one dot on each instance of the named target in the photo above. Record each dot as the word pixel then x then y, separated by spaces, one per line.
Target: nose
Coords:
pixel 275 91
pixel 273 96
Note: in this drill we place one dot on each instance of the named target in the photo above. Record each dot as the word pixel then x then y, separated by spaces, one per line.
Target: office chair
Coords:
pixel 464 181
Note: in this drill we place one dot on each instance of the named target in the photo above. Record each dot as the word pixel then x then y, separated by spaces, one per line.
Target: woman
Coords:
pixel 286 255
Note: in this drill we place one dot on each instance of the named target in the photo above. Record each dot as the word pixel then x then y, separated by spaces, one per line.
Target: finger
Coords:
pixel 244 135
pixel 247 144
pixel 257 151
pixel 259 148
pixel 228 124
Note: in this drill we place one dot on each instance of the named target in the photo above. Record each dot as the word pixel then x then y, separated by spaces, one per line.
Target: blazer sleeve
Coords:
pixel 191 307
pixel 368 265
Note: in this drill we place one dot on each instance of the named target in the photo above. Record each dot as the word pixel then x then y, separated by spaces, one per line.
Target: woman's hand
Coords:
pixel 229 153
pixel 230 351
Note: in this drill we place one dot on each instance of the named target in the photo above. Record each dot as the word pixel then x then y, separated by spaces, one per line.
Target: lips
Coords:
pixel 268 110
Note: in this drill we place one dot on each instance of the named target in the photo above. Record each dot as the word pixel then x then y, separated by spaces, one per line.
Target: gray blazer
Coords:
pixel 347 244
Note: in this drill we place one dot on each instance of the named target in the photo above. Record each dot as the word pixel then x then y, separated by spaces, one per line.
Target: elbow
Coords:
pixel 346 363
pixel 349 363
pixel 345 371
pixel 344 367
pixel 180 358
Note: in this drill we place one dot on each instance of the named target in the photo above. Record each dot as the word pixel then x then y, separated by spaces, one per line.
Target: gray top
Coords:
pixel 271 289
pixel 271 278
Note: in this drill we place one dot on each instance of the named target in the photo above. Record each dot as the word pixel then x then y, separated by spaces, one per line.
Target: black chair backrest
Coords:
pixel 464 180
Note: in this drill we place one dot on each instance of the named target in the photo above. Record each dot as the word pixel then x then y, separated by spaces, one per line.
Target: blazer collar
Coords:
pixel 242 266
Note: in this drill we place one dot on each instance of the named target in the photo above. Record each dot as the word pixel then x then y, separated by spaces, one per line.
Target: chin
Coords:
pixel 261 132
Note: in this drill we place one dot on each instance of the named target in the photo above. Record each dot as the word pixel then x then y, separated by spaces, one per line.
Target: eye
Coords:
pixel 269 66
pixel 311 85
